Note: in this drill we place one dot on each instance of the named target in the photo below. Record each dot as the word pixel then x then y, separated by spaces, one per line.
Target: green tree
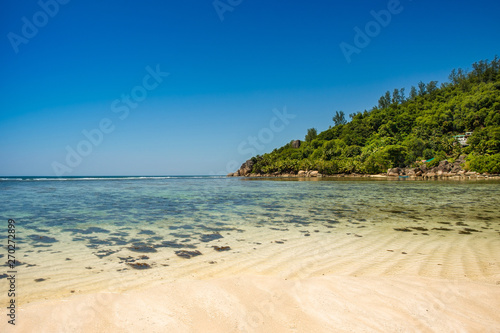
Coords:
pixel 339 118
pixel 384 101
pixel 431 87
pixel 421 89
pixel 401 97
pixel 400 132
pixel 413 92
pixel 395 96
pixel 311 134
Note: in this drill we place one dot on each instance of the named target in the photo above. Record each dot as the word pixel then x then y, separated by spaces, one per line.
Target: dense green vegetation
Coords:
pixel 402 130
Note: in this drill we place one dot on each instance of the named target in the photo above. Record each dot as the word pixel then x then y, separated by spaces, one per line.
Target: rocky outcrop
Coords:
pixel 394 172
pixel 296 144
pixel 244 170
pixel 443 169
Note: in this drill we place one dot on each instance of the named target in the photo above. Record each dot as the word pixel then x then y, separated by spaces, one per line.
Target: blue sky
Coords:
pixel 69 68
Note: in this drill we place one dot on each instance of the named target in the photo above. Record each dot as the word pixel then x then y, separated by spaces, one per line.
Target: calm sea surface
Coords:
pixel 126 219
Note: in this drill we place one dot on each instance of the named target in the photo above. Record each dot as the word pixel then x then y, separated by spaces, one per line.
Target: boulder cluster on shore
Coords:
pixel 444 169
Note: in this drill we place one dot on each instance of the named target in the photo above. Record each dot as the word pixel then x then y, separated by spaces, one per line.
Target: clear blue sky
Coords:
pixel 225 76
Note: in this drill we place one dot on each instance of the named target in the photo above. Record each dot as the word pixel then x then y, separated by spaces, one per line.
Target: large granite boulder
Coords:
pixel 444 166
pixel 296 144
pixel 246 168
pixel 393 172
pixel 456 166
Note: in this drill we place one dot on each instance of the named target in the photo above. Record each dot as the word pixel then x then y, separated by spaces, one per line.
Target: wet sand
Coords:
pixel 370 279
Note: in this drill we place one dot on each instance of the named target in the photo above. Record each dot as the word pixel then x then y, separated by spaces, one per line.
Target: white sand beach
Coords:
pixel 380 282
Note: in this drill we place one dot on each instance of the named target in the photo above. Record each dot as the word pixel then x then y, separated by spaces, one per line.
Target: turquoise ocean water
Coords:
pixel 124 219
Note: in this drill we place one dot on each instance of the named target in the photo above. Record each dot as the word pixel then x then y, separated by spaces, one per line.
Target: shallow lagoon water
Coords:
pixel 77 234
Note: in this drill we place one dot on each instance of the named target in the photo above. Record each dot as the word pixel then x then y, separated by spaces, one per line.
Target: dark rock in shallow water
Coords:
pixel 126 259
pixel 87 231
pixel 175 245
pixel 187 254
pixel 104 253
pixel 41 245
pixel 139 265
pixel 222 248
pixel 468 231
pixel 91 230
pixel 420 228
pixel 3 276
pixel 442 229
pixel 97 241
pixel 42 239
pixel 117 241
pixel 146 232
pixel 40 280
pixel 403 229
pixel 142 248
pixel 210 237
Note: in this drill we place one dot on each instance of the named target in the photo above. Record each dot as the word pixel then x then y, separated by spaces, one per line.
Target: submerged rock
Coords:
pixel 139 265
pixel 142 248
pixel 222 248
pixel 42 239
pixel 210 237
pixel 187 254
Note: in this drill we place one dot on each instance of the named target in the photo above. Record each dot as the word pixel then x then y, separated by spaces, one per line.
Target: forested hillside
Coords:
pixel 402 130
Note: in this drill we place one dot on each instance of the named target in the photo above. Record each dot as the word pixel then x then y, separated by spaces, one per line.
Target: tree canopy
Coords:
pixel 312 133
pixel 400 130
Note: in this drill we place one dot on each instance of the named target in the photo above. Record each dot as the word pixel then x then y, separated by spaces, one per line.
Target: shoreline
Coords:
pixel 443 170
pixel 316 175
